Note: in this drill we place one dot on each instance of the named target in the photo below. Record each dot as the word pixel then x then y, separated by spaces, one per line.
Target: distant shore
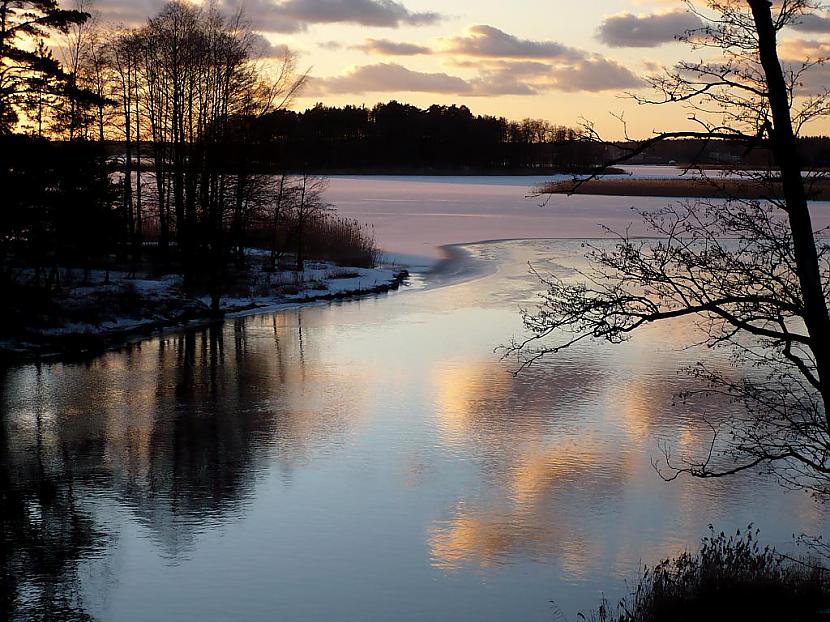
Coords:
pixel 681 188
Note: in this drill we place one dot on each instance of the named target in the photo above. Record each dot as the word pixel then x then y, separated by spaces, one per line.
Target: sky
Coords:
pixel 561 60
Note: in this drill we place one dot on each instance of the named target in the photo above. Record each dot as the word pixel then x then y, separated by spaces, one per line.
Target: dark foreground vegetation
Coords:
pixel 178 209
pixel 728 579
pixel 77 278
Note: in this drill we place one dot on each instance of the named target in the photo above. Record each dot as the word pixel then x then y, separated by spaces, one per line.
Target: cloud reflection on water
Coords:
pixel 367 446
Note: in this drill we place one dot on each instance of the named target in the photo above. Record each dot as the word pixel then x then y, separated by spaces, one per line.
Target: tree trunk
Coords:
pixel 785 150
pixel 276 228
pixel 301 216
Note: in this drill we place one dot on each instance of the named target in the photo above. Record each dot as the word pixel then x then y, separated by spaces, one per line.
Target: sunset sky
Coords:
pixel 555 59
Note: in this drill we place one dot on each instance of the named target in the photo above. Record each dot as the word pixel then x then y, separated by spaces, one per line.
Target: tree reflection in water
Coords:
pixel 173 429
pixel 43 531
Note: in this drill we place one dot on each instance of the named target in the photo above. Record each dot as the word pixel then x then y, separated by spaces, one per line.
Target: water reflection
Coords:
pixel 367 460
pixel 174 429
pixel 43 529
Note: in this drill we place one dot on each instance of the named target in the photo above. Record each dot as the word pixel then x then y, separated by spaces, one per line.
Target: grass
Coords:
pixel 344 241
pixel 729 579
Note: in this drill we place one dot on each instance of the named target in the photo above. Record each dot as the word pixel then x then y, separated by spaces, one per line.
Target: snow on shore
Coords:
pixel 108 309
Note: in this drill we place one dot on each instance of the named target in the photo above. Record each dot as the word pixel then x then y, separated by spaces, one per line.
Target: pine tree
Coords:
pixel 23 23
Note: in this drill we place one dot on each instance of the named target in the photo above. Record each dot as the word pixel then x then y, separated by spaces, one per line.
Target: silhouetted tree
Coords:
pixel 753 274
pixel 401 136
pixel 309 207
pixel 23 23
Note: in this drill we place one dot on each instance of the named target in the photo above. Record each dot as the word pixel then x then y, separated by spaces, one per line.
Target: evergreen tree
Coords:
pixel 23 23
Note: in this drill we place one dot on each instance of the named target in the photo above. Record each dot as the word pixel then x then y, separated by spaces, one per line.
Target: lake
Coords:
pixel 374 459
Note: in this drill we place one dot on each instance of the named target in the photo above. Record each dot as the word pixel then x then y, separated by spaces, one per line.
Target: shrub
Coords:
pixel 344 241
pixel 729 579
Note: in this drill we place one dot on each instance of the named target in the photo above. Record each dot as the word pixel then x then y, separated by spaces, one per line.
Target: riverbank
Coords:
pixel 712 188
pixel 105 310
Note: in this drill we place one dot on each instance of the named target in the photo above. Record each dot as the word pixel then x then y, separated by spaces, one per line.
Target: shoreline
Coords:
pixel 64 344
pixel 457 265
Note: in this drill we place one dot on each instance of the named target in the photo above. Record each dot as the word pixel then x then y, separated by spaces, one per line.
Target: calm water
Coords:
pixel 370 460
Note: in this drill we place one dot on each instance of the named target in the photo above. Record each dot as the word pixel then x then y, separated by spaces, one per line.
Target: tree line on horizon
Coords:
pixel 399 136
pixel 395 136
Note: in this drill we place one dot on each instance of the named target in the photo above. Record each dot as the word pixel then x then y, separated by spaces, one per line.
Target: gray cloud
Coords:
pixel 127 12
pixel 286 16
pixel 495 78
pixel 263 48
pixel 265 15
pixel 595 75
pixel 392 77
pixel 388 77
pixel 520 68
pixel 391 48
pixel 502 82
pixel 490 42
pixel 813 23
pixel 295 15
pixel 646 31
pixel 813 82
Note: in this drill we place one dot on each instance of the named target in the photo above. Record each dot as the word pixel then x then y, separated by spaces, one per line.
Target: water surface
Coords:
pixel 367 460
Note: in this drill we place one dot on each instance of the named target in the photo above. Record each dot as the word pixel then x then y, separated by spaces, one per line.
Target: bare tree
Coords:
pixel 753 274
pixel 308 208
pixel 124 58
pixel 280 206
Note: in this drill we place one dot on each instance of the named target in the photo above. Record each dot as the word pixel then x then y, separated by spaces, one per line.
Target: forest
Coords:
pixel 120 153
pixel 397 137
pixel 400 137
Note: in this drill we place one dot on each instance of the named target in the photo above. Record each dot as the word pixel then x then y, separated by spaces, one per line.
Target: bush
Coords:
pixel 344 241
pixel 729 579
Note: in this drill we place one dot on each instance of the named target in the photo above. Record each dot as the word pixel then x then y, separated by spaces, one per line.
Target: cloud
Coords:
pixel 296 15
pixel 264 15
pixel 127 12
pixel 395 78
pixel 815 82
pixel 495 78
pixel 813 23
pixel 505 80
pixel 595 75
pixel 391 48
pixel 263 48
pixel 390 77
pixel 802 49
pixel 646 31
pixel 490 42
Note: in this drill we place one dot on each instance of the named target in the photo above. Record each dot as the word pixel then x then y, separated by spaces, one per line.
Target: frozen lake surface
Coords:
pixel 414 216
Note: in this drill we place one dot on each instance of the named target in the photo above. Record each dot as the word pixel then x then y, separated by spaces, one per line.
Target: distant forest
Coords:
pixel 402 137
pixel 396 137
